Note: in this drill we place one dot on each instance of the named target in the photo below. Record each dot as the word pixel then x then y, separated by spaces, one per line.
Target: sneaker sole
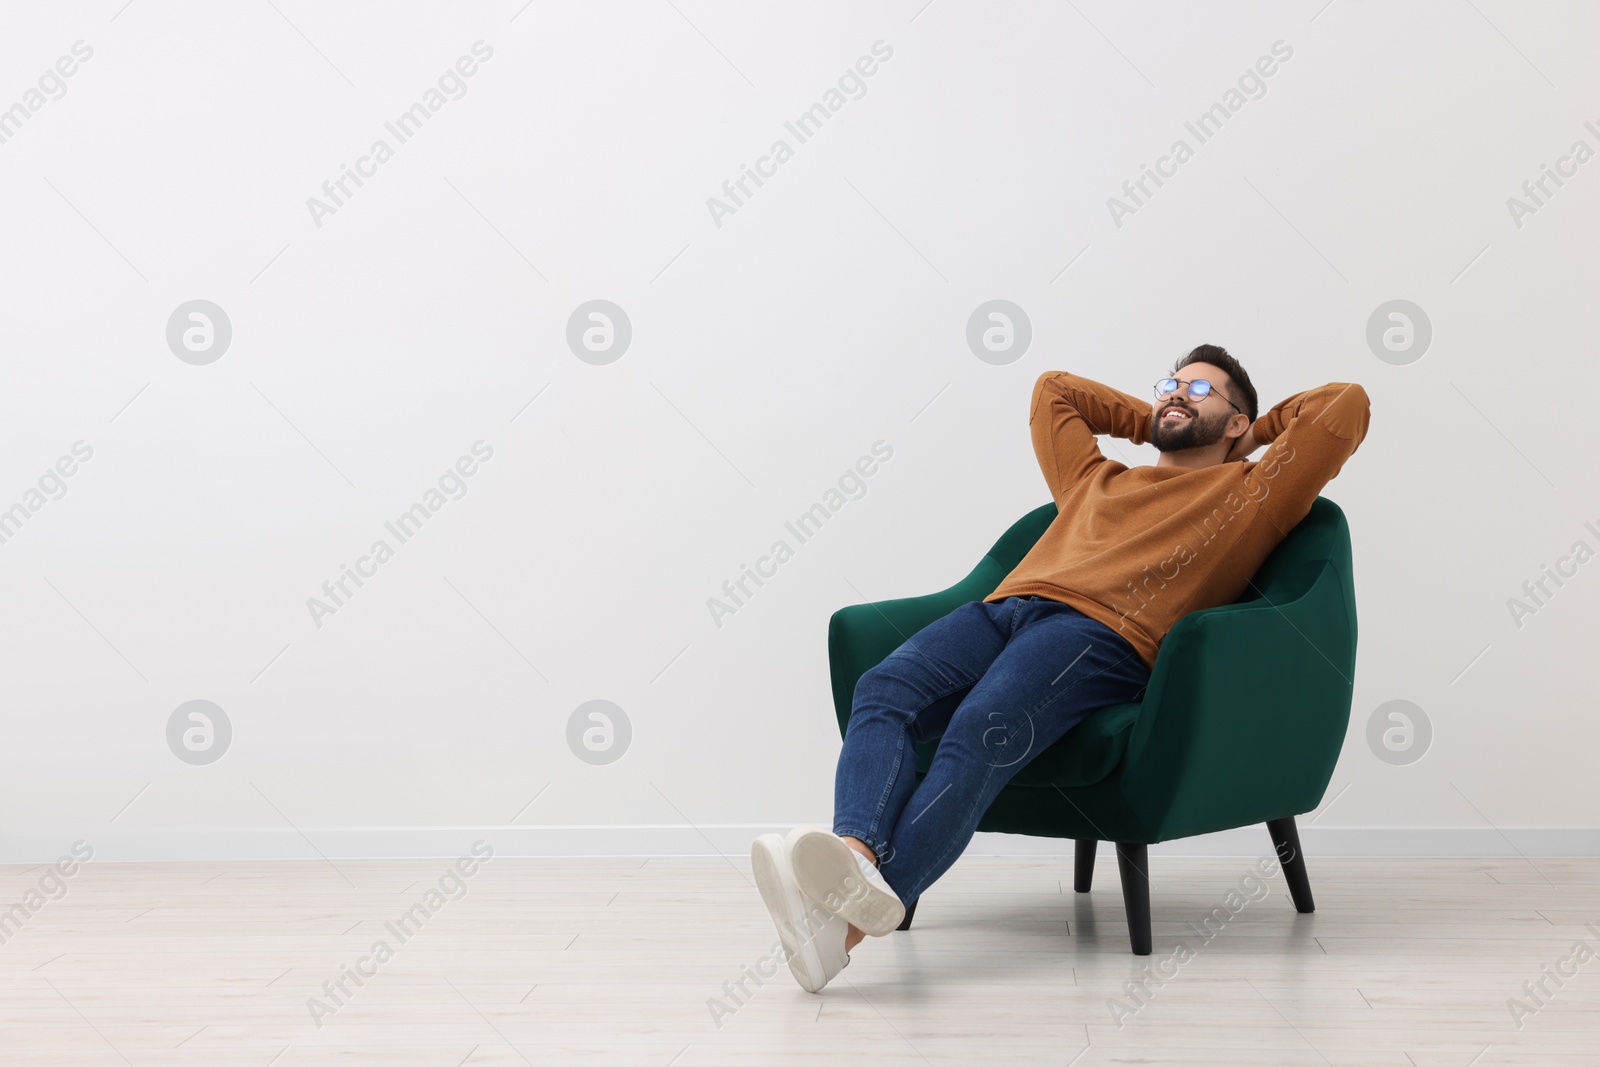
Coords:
pixel 825 865
pixel 788 909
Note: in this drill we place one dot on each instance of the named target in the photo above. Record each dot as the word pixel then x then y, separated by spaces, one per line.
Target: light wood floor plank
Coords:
pixel 620 960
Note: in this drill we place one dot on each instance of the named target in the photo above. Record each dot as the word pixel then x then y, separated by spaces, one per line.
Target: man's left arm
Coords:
pixel 1309 437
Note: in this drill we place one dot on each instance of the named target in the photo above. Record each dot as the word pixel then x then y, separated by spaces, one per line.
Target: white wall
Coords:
pixel 768 354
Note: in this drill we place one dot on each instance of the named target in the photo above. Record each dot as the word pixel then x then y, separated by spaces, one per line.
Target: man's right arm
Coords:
pixel 1068 412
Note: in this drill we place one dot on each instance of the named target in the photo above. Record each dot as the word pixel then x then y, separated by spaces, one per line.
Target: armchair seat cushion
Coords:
pixel 1086 754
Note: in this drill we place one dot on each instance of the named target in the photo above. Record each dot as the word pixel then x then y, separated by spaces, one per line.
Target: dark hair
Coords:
pixel 1244 394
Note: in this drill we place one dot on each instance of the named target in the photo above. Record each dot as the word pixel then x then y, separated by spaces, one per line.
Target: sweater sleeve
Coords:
pixel 1309 435
pixel 1067 412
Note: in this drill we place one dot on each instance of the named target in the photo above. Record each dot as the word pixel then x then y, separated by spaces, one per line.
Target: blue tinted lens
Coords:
pixel 1166 385
pixel 1199 388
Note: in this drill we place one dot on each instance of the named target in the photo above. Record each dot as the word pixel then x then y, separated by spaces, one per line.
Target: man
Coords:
pixel 1074 627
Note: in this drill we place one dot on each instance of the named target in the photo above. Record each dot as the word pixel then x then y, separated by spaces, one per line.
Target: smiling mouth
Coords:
pixel 1175 414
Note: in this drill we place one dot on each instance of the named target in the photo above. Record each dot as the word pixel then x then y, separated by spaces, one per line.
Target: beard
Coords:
pixel 1195 432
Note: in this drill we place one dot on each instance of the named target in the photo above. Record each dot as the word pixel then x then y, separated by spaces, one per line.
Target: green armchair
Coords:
pixel 1241 723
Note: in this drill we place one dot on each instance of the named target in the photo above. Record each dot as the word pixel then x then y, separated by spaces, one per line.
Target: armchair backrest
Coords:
pixel 1323 536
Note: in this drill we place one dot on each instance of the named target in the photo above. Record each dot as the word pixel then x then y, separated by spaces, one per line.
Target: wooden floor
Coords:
pixel 617 961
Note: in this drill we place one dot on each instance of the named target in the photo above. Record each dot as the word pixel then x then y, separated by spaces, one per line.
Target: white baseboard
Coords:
pixel 131 844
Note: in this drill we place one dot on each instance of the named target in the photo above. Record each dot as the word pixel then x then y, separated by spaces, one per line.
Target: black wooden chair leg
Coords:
pixel 911 909
pixel 1134 866
pixel 1286 839
pixel 1083 865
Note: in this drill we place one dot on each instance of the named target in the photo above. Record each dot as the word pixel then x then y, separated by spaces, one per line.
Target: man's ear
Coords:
pixel 1233 438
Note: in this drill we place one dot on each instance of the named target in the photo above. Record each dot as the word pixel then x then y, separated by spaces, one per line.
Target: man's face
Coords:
pixel 1180 422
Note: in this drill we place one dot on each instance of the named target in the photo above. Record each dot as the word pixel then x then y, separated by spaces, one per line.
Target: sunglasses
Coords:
pixel 1199 389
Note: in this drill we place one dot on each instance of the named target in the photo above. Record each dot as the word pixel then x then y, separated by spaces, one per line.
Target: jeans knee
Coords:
pixel 887 691
pixel 870 707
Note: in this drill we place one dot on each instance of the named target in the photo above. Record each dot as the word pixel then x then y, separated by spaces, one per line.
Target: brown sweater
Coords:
pixel 1139 548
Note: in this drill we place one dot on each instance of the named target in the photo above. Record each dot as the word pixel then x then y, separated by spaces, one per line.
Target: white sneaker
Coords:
pixel 844 881
pixel 812 937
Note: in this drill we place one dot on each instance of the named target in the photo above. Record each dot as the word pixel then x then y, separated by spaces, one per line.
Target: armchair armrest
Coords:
pixel 861 636
pixel 1247 710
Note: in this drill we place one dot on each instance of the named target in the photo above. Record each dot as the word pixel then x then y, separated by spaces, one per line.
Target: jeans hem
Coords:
pixel 862 836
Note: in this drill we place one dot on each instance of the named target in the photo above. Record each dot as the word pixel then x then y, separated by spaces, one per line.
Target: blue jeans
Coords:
pixel 997 683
